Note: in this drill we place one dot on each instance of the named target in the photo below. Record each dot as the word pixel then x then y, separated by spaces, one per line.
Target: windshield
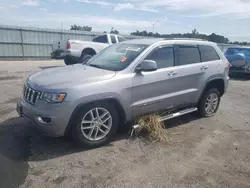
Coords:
pixel 116 57
pixel 233 51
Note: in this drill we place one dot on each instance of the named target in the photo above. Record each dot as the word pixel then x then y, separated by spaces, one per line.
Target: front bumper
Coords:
pixel 58 113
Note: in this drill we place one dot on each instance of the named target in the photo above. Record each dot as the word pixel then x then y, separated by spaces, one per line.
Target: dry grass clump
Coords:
pixel 151 127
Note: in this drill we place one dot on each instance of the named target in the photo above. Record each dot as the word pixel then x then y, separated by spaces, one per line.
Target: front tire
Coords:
pixel 209 103
pixel 96 125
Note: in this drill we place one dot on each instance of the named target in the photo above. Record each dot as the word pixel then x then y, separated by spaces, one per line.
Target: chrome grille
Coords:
pixel 30 95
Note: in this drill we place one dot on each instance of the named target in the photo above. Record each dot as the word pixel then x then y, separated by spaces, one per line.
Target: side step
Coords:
pixel 177 114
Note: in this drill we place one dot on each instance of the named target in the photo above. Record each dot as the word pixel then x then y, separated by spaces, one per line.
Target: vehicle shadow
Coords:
pixel 20 142
pixel 181 120
pixel 14 151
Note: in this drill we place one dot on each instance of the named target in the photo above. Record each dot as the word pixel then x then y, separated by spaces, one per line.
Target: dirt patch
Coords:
pixel 12 100
pixel 59 180
pixel 3 78
pixel 6 111
pixel 202 152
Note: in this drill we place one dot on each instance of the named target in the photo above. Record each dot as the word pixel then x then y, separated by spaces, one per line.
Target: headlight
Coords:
pixel 53 97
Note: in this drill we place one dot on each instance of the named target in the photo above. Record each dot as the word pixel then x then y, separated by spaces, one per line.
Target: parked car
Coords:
pixel 77 51
pixel 123 82
pixel 239 58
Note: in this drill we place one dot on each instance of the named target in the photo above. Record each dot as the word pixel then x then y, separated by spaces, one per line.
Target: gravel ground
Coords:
pixel 209 152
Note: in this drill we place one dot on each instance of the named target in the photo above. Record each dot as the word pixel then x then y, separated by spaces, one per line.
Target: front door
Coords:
pixel 150 89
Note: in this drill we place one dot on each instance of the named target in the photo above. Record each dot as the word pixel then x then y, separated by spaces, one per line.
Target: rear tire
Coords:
pixel 82 131
pixel 69 60
pixel 209 103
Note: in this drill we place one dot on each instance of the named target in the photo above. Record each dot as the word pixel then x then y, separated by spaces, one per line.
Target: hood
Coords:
pixel 68 76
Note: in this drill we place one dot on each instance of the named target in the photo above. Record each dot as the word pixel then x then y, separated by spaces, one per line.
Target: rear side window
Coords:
pixel 101 39
pixel 113 40
pixel 163 56
pixel 208 53
pixel 120 39
pixel 188 55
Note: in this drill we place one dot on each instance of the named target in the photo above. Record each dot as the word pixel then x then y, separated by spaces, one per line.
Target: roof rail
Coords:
pixel 185 39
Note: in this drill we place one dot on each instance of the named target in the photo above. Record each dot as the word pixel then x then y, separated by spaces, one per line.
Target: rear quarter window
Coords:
pixel 208 53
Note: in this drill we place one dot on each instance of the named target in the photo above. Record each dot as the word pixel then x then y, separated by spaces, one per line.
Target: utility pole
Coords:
pixel 61 30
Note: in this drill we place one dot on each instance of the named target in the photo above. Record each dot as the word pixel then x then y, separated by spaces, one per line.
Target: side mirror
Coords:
pixel 147 66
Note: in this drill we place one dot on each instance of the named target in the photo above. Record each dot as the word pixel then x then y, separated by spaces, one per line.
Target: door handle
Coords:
pixel 204 67
pixel 172 73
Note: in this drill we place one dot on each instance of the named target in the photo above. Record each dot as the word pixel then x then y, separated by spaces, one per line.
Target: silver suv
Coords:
pixel 123 82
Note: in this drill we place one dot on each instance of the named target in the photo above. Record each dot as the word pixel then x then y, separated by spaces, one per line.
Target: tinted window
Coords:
pixel 208 53
pixel 113 40
pixel 164 57
pixel 188 55
pixel 101 39
pixel 120 39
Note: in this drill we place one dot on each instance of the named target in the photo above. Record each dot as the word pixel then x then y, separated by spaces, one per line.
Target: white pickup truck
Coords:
pixel 77 51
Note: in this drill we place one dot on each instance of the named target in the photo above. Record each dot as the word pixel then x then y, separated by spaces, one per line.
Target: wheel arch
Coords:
pixel 215 83
pixel 88 50
pixel 117 104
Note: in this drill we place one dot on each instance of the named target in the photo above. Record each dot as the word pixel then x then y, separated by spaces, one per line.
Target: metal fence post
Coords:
pixel 21 34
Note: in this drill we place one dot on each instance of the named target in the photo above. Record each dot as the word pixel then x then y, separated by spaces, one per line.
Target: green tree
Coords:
pixel 80 28
pixel 194 34
pixel 114 31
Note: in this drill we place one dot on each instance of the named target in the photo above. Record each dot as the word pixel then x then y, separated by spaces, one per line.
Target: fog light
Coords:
pixel 44 120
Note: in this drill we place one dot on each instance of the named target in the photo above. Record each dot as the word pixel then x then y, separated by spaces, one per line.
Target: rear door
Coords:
pixel 187 77
pixel 211 59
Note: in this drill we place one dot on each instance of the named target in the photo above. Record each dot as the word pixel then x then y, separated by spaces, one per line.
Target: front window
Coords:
pixel 163 56
pixel 117 57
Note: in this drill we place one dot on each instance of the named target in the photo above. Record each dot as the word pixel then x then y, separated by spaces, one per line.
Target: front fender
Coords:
pixel 123 107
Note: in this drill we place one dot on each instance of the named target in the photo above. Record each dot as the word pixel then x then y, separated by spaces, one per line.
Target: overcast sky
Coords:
pixel 230 18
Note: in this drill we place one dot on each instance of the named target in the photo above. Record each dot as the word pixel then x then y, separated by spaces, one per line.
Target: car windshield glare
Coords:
pixel 117 57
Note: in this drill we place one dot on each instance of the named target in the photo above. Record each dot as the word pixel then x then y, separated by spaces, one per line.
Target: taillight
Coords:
pixel 228 64
pixel 68 45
